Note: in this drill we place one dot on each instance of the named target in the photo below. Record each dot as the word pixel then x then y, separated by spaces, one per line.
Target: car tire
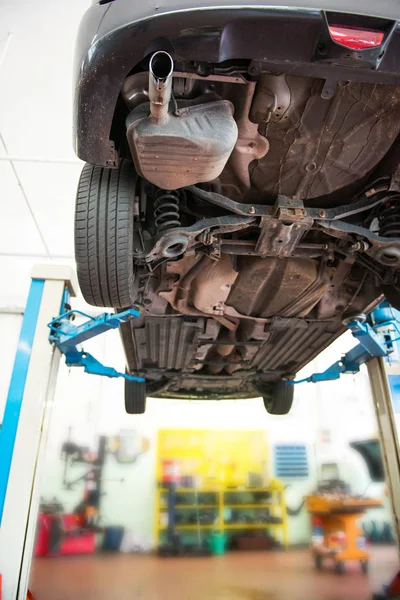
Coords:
pixel 277 397
pixel 104 235
pixel 340 567
pixel 135 397
pixel 318 562
pixel 364 566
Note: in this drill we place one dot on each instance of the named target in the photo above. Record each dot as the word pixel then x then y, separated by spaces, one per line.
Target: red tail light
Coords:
pixel 355 38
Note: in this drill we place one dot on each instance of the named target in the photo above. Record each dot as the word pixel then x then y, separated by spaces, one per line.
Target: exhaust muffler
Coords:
pixel 160 84
pixel 182 147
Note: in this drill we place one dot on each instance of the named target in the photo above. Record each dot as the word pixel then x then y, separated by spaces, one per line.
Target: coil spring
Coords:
pixel 389 218
pixel 166 210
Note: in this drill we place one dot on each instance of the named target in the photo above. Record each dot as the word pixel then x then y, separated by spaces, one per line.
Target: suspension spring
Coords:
pixel 389 227
pixel 166 210
pixel 389 218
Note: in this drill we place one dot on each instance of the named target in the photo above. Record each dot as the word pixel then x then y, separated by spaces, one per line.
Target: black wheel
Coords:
pixel 104 235
pixel 277 396
pixel 135 397
pixel 339 567
pixel 136 393
pixel 318 561
pixel 364 566
pixel 392 295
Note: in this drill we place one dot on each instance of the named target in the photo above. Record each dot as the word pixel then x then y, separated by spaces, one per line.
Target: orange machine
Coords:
pixel 341 537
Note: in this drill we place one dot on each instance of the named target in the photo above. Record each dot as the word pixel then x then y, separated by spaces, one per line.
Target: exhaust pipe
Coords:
pixel 160 84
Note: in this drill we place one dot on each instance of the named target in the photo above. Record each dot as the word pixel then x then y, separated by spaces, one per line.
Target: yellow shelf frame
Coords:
pixel 276 504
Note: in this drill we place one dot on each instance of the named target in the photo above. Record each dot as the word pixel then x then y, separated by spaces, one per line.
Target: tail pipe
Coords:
pixel 160 84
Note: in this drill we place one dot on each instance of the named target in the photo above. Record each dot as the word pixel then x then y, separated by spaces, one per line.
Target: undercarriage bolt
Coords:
pixel 359 246
pixel 251 210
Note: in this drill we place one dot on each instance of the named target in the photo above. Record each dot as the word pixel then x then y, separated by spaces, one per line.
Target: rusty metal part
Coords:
pixel 280 239
pixel 212 77
pixel 225 349
pixel 203 288
pixel 186 147
pixel 161 67
pixel 271 100
pixel 180 295
pixel 153 248
pixel 267 287
pixel 249 146
pixel 228 323
pixel 135 87
pixel 384 250
pixel 337 296
pixel 322 146
pixel 212 287
pixel 248 248
pixel 259 288
pixel 290 208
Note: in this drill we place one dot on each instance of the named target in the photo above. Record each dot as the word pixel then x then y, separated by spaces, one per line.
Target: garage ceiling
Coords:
pixel 38 168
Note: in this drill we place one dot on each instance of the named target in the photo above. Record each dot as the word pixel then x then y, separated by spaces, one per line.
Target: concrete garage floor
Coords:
pixel 236 576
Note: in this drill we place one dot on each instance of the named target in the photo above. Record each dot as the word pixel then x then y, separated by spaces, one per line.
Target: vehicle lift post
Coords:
pixel 379 340
pixel 388 435
pixel 30 398
pixel 25 425
pixel 47 332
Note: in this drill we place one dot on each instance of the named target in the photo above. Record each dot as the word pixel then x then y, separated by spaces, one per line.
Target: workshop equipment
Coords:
pixel 30 397
pixel 66 336
pixel 62 535
pixel 343 539
pixel 221 510
pixel 377 334
pixel 88 508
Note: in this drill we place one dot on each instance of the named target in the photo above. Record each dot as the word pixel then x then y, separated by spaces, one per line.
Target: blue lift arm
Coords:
pixel 377 335
pixel 66 336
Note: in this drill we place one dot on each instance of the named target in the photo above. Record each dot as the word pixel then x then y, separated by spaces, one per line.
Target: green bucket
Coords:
pixel 217 543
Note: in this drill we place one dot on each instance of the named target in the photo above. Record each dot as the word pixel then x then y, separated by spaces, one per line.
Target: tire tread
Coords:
pixel 103 235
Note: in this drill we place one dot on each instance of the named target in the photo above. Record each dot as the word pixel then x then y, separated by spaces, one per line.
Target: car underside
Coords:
pixel 248 206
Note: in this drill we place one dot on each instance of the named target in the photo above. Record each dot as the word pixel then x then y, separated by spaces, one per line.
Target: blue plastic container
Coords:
pixel 112 538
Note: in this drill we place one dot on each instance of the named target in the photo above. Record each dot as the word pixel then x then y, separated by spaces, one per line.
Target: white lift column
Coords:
pixel 378 375
pixel 25 424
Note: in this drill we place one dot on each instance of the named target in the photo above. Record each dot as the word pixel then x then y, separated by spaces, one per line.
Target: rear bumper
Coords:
pixel 113 38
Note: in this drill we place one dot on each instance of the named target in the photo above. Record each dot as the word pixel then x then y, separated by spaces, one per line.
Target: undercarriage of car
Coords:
pixel 251 213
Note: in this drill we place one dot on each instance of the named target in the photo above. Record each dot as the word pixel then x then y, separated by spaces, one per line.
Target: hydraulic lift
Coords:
pixel 49 330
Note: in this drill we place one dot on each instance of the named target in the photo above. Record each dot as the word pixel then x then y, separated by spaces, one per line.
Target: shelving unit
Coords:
pixel 224 507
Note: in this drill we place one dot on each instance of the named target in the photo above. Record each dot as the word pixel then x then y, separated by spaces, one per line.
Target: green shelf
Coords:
pixel 194 506
pixel 270 505
pixel 191 527
pixel 251 525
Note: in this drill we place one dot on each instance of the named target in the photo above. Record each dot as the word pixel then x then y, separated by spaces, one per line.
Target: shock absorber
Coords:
pixel 389 218
pixel 166 217
pixel 389 226
pixel 166 210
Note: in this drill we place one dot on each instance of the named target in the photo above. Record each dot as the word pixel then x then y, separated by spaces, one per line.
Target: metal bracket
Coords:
pixel 329 89
pixel 280 239
pixel 66 336
pixel 377 337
